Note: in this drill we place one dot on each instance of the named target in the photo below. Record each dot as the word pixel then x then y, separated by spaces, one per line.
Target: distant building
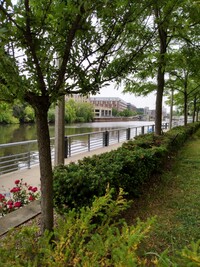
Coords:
pixel 102 112
pixel 131 107
pixel 109 103
pixel 77 98
pixel 149 113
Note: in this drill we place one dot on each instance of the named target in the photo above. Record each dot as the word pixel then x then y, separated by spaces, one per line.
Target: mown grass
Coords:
pixel 175 201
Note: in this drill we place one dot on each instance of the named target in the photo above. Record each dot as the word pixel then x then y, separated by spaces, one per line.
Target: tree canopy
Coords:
pixel 54 47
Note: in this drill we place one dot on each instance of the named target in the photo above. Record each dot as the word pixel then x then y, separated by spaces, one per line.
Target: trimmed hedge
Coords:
pixel 128 167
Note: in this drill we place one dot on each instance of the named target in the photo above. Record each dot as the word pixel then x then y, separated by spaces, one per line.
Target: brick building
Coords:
pixel 108 103
pixel 77 98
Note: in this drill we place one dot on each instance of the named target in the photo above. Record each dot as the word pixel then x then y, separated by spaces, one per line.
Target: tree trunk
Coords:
pixel 185 99
pixel 159 99
pixel 46 175
pixel 59 132
pixel 162 34
pixel 185 109
pixel 171 110
pixel 194 109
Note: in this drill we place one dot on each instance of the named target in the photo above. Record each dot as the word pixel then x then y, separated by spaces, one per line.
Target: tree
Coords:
pixel 169 25
pixel 6 113
pixel 127 113
pixel 84 112
pixel 70 111
pixel 115 112
pixel 83 36
pixel 184 77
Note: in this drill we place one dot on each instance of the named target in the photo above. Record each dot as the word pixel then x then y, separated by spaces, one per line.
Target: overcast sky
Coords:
pixel 139 102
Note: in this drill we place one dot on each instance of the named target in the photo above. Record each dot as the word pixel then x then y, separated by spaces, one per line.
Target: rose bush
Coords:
pixel 20 195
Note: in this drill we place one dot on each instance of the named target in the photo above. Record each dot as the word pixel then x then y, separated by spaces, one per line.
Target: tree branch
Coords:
pixel 69 40
pixel 30 43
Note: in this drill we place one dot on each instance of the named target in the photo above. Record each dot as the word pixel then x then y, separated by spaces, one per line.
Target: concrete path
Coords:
pixel 20 216
pixel 32 176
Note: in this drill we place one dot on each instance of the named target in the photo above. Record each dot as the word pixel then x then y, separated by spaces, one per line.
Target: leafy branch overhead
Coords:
pixel 65 47
pixel 51 48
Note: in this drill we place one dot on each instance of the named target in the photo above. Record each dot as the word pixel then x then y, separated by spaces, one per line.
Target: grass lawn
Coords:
pixel 175 201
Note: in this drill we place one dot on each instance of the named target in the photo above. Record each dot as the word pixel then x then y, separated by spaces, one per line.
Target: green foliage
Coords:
pixel 74 112
pixel 94 236
pixel 114 112
pixel 128 167
pixel 70 111
pixel 190 256
pixel 91 237
pixel 6 113
pixel 78 111
pixel 29 114
pixel 76 184
pixel 126 113
pixel 84 112
pixel 23 112
pixel 51 114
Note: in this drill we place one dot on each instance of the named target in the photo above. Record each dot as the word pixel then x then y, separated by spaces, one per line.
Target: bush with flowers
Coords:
pixel 20 195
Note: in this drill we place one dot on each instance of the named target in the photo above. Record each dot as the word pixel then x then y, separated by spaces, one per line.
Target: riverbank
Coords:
pixel 116 119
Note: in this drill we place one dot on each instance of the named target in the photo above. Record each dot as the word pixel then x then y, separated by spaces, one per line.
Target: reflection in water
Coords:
pixel 19 133
pixel 16 132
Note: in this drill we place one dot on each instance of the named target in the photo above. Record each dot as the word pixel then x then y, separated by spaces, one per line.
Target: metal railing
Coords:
pixel 28 155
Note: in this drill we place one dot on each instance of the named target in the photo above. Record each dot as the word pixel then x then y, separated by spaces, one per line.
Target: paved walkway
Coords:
pixel 32 176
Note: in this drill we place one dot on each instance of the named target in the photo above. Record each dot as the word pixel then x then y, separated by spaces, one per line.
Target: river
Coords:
pixel 16 132
pixel 14 157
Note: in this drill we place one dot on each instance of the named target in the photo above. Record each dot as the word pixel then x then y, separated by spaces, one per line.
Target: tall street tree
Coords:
pixel 169 23
pixel 50 48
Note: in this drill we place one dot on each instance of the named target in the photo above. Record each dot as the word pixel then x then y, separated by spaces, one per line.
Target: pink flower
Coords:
pixel 2 197
pixel 10 207
pixel 10 202
pixel 17 181
pixel 17 204
pixel 34 189
pixel 31 198
pixel 15 189
pixel 30 188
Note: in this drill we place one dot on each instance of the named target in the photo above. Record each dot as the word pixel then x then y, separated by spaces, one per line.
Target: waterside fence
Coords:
pixel 27 152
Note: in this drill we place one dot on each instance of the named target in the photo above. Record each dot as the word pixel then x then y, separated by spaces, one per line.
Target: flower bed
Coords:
pixel 20 195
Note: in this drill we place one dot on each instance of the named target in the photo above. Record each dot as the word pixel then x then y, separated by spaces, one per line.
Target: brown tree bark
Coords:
pixel 186 99
pixel 185 108
pixel 162 35
pixel 46 175
pixel 159 100
pixel 194 109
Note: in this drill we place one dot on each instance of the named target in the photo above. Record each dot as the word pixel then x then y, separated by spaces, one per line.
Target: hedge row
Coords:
pixel 128 167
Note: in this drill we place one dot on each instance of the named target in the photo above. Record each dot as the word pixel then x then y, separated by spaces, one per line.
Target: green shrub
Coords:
pixel 75 185
pixel 128 167
pixel 92 237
